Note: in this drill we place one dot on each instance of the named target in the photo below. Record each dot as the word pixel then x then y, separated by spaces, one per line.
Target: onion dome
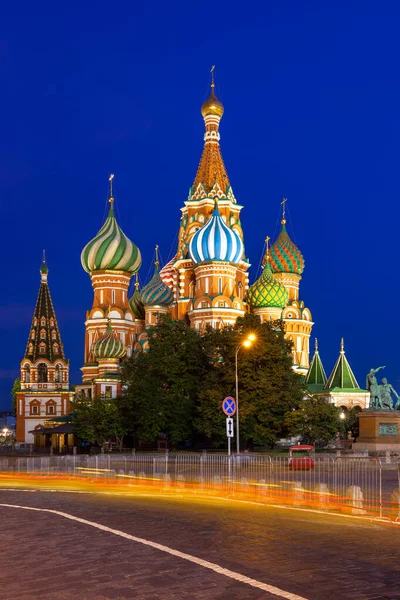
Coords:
pixel 136 304
pixel 108 346
pixel 156 292
pixel 285 257
pixel 212 106
pixel 215 241
pixel 167 273
pixel 111 249
pixel 267 292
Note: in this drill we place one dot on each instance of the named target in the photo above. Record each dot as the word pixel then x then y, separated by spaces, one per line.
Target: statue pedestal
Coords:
pixel 379 430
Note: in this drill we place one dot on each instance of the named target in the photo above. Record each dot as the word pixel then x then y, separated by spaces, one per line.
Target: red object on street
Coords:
pixel 304 460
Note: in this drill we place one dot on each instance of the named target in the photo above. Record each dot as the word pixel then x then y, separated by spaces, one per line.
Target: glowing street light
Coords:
pixel 246 343
pixel 5 431
pixel 342 415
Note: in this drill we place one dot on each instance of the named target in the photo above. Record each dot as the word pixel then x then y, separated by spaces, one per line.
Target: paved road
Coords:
pixel 317 557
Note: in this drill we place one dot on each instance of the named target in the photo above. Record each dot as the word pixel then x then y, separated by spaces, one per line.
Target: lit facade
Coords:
pixel 44 374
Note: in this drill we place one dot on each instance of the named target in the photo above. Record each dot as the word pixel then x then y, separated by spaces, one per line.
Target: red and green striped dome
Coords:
pixel 284 255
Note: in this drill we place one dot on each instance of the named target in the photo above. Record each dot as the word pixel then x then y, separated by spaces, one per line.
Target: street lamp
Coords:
pixel 5 431
pixel 246 343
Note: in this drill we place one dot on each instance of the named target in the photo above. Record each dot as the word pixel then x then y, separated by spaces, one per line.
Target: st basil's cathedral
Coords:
pixel 206 282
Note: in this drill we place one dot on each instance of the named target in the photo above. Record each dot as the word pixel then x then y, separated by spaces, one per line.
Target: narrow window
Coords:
pixel 101 296
pixel 113 297
pixel 206 285
pixel 219 285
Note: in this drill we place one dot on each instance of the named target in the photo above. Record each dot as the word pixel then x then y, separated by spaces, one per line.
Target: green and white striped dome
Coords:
pixel 108 346
pixel 111 249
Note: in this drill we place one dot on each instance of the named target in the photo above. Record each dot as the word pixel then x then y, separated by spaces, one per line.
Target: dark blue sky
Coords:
pixel 311 92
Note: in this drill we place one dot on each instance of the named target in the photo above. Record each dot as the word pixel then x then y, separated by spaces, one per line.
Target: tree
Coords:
pixel 161 385
pixel 15 388
pixel 98 420
pixel 268 386
pixel 316 421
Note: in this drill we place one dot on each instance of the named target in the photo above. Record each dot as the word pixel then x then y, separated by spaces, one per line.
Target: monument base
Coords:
pixel 379 430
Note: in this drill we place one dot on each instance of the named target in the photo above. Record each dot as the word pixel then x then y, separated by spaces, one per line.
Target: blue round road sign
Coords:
pixel 229 406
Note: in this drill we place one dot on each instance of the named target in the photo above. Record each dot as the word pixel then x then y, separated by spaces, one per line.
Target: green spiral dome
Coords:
pixel 111 249
pixel 156 292
pixel 136 305
pixel 266 292
pixel 108 346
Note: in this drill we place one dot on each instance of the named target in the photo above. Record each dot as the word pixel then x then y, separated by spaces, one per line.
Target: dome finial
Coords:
pixel 43 267
pixel 136 282
pixel 157 262
pixel 316 345
pixel 283 221
pixel 212 106
pixel 111 197
pixel 342 345
pixel 212 77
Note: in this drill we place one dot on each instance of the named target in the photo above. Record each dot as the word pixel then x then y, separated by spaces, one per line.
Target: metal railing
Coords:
pixel 354 484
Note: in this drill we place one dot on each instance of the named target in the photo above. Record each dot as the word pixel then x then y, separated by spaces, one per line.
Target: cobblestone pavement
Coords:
pixel 319 557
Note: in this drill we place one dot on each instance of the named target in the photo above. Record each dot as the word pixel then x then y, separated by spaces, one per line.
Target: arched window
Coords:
pixel 30 349
pixel 42 322
pixel 55 348
pixel 53 335
pixel 42 348
pixel 42 334
pixel 42 373
pixel 35 322
pixel 33 334
pixel 51 322
pixel 50 407
pixel 34 407
pixel 57 374
pixel 27 374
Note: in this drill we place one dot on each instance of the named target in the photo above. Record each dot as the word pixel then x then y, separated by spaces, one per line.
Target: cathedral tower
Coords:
pixel 44 369
pixel 216 282
pixel 287 264
pixel 111 259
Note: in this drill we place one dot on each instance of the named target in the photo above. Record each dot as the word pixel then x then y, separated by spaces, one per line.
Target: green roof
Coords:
pixel 342 377
pixel 316 377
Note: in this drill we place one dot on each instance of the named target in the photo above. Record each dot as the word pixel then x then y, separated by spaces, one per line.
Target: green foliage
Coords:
pixel 268 386
pixel 316 421
pixel 178 386
pixel 351 421
pixel 162 384
pixel 98 420
pixel 15 388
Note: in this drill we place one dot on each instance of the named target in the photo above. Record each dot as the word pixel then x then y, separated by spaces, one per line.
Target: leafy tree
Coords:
pixel 316 420
pixel 98 420
pixel 161 385
pixel 268 386
pixel 15 388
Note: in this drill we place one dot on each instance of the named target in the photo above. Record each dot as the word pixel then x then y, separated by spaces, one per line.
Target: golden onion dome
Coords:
pixel 212 106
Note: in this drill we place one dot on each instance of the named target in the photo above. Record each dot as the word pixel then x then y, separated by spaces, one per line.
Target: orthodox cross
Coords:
pixel 284 200
pixel 157 262
pixel 110 179
pixel 136 281
pixel 212 76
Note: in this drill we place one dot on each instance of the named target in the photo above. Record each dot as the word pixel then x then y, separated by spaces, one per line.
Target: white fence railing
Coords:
pixel 358 484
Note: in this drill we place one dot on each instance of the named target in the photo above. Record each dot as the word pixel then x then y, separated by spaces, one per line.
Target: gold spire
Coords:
pixel 111 197
pixel 283 221
pixel 342 345
pixel 157 262
pixel 212 106
pixel 267 250
pixel 136 281
pixel 316 345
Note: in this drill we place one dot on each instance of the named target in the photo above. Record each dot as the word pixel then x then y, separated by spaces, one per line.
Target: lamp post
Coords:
pixel 246 343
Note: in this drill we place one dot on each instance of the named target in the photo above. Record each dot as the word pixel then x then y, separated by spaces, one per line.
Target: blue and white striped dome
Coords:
pixel 216 241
